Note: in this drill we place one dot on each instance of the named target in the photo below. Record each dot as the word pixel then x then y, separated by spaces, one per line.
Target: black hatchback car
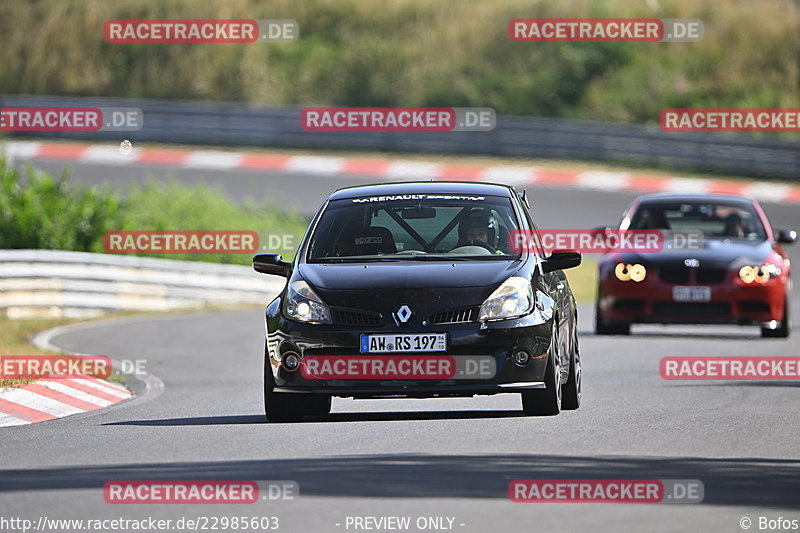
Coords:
pixel 413 289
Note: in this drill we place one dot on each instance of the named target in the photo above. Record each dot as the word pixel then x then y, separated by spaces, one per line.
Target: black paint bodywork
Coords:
pixel 428 287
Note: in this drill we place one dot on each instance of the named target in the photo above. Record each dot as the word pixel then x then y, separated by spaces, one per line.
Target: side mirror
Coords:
pixel 560 260
pixel 271 264
pixel 786 236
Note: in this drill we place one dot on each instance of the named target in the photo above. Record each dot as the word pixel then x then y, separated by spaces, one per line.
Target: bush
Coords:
pixel 415 53
pixel 43 212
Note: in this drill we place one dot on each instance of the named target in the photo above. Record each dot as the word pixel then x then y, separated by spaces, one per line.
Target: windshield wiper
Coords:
pixel 444 257
pixel 357 259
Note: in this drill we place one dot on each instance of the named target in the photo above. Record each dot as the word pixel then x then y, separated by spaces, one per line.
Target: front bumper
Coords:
pixel 498 340
pixel 731 302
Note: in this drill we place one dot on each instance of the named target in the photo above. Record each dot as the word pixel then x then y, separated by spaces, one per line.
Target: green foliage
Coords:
pixel 415 53
pixel 42 212
pixel 48 213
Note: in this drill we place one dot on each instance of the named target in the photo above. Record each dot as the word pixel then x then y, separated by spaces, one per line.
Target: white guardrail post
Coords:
pixel 79 284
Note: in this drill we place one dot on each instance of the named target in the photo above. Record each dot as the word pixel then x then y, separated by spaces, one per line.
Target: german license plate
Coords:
pixel 409 343
pixel 691 294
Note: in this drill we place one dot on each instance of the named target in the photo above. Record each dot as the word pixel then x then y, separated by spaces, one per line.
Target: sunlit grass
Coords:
pixel 415 53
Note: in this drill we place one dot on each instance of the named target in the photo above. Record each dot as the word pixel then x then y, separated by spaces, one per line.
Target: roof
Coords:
pixel 693 196
pixel 424 187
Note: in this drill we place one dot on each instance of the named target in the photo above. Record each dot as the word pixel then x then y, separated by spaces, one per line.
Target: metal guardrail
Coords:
pixel 220 124
pixel 58 283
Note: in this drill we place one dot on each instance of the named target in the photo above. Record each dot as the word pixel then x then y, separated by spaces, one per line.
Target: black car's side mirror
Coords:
pixel 271 264
pixel 786 236
pixel 560 260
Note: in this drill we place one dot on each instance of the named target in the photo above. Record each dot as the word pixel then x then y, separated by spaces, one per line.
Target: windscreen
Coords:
pixel 414 227
pixel 716 220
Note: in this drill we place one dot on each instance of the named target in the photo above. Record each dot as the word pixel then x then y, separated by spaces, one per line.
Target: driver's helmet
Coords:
pixel 479 225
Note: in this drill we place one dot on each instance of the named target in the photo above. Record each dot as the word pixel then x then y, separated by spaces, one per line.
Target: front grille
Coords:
pixel 462 315
pixel 710 275
pixel 691 308
pixel 674 274
pixel 343 316
pixel 754 307
pixel 629 304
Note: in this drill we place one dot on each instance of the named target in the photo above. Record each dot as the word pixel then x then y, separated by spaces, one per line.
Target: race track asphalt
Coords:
pixel 418 458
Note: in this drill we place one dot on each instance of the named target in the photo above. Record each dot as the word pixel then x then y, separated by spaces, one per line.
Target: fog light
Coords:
pixel 290 361
pixel 521 358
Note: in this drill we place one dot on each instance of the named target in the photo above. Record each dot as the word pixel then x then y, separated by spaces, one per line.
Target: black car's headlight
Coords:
pixel 512 299
pixel 303 304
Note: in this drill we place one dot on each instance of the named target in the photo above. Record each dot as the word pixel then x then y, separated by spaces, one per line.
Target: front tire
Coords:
pixel 786 324
pixel 547 401
pixel 603 327
pixel 283 407
pixel 571 393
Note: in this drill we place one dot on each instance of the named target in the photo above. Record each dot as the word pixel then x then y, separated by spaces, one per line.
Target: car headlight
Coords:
pixel 625 272
pixel 512 299
pixel 303 304
pixel 760 273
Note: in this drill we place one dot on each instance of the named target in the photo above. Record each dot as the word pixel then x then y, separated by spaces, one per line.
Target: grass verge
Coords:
pixel 15 339
pixel 583 281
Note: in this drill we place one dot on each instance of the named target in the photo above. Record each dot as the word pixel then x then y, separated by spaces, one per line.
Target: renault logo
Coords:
pixel 403 314
pixel 691 263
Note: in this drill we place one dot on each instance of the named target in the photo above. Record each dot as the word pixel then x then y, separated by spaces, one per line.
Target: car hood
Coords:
pixel 713 253
pixel 408 274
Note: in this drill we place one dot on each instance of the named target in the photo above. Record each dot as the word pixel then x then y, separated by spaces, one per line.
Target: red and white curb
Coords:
pixel 398 170
pixel 51 399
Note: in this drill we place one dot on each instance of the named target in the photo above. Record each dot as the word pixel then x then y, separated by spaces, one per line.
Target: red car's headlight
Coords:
pixel 625 272
pixel 759 273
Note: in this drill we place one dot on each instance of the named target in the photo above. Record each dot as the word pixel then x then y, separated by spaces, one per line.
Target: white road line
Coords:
pixel 8 420
pixel 510 175
pixel 212 159
pixel 22 150
pixel 101 386
pixel 41 403
pixel 109 155
pixel 75 393
pixel 603 181
pixel 315 164
pixel 685 185
pixel 768 192
pixel 412 170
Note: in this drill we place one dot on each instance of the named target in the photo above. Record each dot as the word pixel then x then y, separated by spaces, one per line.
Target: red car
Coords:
pixel 739 274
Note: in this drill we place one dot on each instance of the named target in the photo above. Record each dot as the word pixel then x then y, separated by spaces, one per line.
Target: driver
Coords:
pixel 479 228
